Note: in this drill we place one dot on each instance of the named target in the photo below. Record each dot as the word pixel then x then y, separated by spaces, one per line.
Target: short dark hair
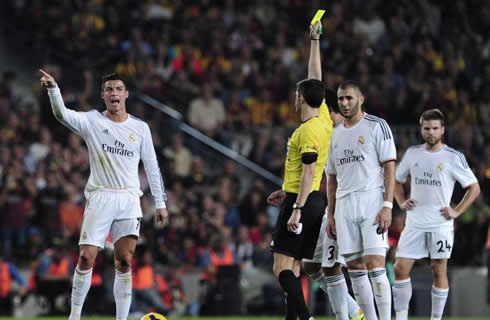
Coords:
pixel 112 76
pixel 331 100
pixel 432 114
pixel 312 90
pixel 350 84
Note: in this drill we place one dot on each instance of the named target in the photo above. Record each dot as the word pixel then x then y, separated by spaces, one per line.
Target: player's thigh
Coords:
pixel 97 220
pixel 413 244
pixel 330 255
pixel 370 204
pixel 441 243
pixel 125 231
pixel 349 239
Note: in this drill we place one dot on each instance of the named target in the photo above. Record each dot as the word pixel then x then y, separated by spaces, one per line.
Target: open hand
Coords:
pixel 383 220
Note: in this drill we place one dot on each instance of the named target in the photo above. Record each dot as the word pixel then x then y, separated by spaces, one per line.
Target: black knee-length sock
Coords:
pixel 295 297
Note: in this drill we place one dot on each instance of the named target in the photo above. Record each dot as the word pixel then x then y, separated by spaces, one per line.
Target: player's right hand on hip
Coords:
pixel 331 229
pixel 276 198
pixel 162 217
pixel 47 80
pixel 408 204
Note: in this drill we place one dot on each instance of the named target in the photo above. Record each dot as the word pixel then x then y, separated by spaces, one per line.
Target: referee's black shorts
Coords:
pixel 301 245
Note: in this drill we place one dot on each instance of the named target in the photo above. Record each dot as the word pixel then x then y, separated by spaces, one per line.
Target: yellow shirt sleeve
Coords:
pixel 309 141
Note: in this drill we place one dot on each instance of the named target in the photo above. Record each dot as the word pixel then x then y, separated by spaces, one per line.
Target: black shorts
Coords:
pixel 301 245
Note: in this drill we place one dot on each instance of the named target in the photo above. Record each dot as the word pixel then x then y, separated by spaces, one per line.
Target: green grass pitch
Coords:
pixel 226 318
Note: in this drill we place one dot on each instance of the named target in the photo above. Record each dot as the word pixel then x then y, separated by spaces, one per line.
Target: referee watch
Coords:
pixel 296 206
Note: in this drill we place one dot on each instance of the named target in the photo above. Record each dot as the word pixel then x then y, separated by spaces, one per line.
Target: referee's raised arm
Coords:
pixel 314 63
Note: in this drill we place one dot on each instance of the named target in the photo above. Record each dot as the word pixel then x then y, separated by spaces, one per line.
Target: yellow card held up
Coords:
pixel 318 16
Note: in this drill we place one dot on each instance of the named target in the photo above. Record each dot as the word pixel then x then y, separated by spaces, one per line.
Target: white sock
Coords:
pixel 402 293
pixel 382 292
pixel 363 293
pixel 81 285
pixel 354 310
pixel 122 294
pixel 439 297
pixel 319 277
pixel 337 295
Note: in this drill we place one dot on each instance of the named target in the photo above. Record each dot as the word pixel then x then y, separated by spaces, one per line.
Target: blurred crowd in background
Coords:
pixel 230 68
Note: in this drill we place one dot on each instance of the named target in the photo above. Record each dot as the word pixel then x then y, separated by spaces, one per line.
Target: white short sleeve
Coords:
pixel 403 169
pixel 385 145
pixel 462 171
pixel 330 168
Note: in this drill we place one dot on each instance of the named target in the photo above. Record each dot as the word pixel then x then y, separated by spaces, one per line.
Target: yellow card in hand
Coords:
pixel 318 16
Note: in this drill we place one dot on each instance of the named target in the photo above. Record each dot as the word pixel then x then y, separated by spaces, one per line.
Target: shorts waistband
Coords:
pixel 114 189
pixel 363 192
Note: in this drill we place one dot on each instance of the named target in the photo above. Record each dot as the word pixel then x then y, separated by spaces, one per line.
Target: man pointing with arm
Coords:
pixel 116 142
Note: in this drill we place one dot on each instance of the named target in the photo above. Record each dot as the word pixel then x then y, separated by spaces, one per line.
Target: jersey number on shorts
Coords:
pixel 331 252
pixel 138 224
pixel 441 244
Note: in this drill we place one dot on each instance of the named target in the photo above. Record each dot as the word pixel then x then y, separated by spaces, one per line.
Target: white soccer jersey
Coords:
pixel 432 179
pixel 115 149
pixel 356 155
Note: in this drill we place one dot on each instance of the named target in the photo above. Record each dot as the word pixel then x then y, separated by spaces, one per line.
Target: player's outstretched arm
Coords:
pixel 314 63
pixel 69 118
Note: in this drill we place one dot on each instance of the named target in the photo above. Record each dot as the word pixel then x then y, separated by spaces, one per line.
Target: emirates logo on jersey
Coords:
pixel 360 140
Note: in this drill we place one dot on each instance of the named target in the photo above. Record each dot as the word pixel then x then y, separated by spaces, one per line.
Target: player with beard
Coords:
pixel 433 168
pixel 116 143
pixel 360 183
pixel 326 265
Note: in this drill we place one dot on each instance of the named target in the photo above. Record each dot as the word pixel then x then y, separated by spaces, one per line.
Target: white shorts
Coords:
pixel 326 250
pixel 418 244
pixel 354 221
pixel 110 210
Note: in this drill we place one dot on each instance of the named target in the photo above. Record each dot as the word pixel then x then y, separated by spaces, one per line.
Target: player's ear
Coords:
pixel 361 99
pixel 126 94
pixel 442 129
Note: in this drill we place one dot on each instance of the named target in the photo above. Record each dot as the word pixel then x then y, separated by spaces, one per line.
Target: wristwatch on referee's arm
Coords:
pixel 296 206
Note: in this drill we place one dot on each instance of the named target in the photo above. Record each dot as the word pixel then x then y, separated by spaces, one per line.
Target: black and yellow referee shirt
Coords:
pixel 312 135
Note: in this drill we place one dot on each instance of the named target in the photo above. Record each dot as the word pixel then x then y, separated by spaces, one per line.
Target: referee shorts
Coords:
pixel 301 245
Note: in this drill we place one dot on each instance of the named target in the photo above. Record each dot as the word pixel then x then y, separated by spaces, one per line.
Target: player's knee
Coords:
pixel 311 268
pixel 401 272
pixel 85 260
pixel 123 261
pixel 438 270
pixel 332 271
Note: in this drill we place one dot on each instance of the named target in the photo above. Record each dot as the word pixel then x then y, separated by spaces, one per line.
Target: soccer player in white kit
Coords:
pixel 325 266
pixel 116 142
pixel 433 168
pixel 361 179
